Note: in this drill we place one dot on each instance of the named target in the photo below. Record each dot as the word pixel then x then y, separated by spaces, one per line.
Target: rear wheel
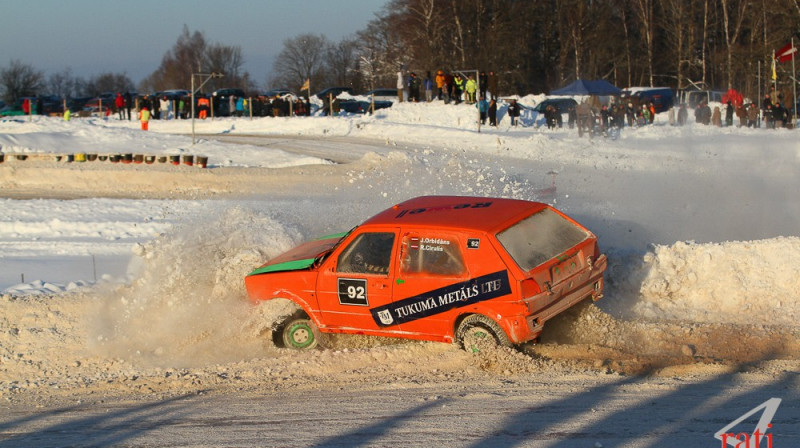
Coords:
pixel 297 332
pixel 478 333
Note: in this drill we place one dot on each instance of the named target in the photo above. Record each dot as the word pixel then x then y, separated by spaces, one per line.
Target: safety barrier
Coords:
pixel 126 158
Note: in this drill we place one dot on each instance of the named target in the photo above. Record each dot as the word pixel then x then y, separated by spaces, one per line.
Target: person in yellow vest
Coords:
pixel 144 117
pixel 67 114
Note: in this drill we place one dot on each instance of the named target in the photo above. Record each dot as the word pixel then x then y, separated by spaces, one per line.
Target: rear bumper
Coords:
pixel 543 307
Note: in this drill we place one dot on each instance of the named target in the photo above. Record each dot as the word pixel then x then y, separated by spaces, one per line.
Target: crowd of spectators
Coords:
pixel 452 87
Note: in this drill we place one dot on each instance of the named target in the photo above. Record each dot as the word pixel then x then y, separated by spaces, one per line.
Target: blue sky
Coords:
pixel 132 36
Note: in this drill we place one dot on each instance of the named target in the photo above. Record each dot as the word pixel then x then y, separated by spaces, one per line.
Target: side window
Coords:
pixel 434 255
pixel 369 253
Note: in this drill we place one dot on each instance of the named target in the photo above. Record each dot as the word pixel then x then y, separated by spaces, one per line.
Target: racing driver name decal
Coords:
pixel 443 299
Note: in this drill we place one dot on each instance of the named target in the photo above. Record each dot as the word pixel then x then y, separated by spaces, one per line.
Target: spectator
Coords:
pixel 458 88
pixel 741 112
pixel 203 106
pixel 401 84
pixel 752 116
pixel 779 115
pixel 239 106
pixel 166 108
pixel 682 115
pixel 449 87
pixel 128 104
pixel 483 83
pixel 604 118
pixel 493 112
pixel 513 112
pixel 144 118
pixel 630 112
pixel 440 84
pixel 572 116
pixel 155 113
pixel 471 87
pixel 716 118
pixel 729 114
pixel 585 118
pixel 644 118
pixel 428 83
pixel 483 109
pixel 119 103
pixel 619 116
pixel 766 106
pixel 413 87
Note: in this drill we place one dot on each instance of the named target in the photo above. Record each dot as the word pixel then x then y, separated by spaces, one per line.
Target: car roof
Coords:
pixel 457 212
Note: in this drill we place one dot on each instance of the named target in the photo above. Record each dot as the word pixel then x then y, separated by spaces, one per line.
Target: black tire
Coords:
pixel 478 333
pixel 297 332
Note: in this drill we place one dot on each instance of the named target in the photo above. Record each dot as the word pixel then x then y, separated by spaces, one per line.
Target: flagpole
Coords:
pixel 794 83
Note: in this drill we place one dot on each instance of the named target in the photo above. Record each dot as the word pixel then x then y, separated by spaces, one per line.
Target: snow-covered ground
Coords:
pixel 690 213
pixel 701 225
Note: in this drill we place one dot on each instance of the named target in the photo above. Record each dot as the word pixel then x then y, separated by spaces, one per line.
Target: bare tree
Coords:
pixel 731 36
pixel 675 25
pixel 20 80
pixel 187 56
pixel 62 84
pixel 341 62
pixel 302 58
pixel 229 61
pixel 109 82
pixel 644 8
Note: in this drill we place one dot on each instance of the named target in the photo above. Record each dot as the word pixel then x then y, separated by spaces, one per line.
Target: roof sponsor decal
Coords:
pixel 417 211
pixel 443 299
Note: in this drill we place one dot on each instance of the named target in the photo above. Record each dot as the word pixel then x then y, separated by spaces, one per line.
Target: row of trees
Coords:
pixel 20 80
pixel 191 53
pixel 533 46
pixel 536 46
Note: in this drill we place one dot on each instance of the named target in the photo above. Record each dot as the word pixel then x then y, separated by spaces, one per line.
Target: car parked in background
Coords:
pixel 272 93
pixel 562 104
pixel 362 107
pixel 383 94
pixel 334 91
pixel 473 270
pixel 661 97
pixel 173 94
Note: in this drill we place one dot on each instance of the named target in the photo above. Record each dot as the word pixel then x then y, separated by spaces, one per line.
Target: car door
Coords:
pixel 432 279
pixel 357 278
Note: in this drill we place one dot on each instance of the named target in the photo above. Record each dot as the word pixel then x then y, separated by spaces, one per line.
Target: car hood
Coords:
pixel 300 257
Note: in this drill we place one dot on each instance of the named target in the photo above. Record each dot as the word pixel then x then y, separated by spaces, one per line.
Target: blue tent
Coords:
pixel 582 87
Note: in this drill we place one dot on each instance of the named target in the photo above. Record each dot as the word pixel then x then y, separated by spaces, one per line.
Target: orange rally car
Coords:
pixel 438 268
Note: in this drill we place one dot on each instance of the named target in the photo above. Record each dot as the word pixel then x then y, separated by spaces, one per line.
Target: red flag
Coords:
pixel 786 53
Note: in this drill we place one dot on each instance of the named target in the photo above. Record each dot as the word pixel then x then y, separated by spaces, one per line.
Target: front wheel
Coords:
pixel 297 332
pixel 478 333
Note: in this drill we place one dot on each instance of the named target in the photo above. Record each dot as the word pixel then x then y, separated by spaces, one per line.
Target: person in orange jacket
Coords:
pixel 440 78
pixel 144 117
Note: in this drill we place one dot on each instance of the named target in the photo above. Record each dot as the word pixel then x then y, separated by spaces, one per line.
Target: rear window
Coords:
pixel 540 237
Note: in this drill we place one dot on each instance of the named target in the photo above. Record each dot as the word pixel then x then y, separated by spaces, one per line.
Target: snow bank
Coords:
pixel 751 282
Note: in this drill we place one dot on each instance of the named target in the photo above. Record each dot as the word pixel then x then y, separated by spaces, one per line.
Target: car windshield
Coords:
pixel 540 237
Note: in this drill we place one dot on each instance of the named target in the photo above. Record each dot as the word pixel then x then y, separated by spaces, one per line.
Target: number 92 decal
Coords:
pixel 353 291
